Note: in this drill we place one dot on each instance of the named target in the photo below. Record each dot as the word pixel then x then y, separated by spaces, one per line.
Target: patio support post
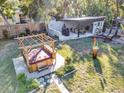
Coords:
pixel 78 31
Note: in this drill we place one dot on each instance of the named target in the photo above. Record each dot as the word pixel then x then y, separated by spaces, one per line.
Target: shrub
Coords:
pixel 22 89
pixel 33 84
pixel 60 72
pixel 34 32
pixel 22 34
pixel 66 69
pixel 69 68
pixel 5 34
pixel 68 60
pixel 26 85
pixel 22 78
pixel 27 31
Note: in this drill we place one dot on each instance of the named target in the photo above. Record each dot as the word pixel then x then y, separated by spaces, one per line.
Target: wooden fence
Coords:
pixel 15 30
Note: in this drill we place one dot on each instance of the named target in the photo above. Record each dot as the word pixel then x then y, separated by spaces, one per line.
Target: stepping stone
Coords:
pixel 41 86
pixel 44 83
pixel 41 80
pixel 48 81
pixel 47 77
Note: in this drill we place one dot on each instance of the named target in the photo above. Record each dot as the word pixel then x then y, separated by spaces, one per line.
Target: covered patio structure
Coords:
pixel 77 27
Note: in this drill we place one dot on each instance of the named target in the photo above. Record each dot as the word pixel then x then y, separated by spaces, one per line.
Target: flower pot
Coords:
pixel 95 50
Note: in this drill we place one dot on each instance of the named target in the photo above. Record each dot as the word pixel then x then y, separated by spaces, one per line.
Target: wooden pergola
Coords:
pixel 27 43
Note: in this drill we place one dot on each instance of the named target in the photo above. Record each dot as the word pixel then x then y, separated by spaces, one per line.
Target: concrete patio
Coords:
pixel 71 36
pixel 20 67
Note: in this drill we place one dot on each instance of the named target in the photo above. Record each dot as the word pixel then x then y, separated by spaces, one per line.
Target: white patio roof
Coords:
pixel 84 18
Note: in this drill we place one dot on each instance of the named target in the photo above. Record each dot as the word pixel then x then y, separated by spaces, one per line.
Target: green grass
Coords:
pixel 103 75
pixel 52 88
pixel 8 82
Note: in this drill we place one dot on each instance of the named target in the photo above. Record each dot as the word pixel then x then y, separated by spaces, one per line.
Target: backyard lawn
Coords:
pixel 8 82
pixel 8 50
pixel 102 75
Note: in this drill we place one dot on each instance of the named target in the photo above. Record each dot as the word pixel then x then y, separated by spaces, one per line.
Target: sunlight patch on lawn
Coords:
pixel 104 59
pixel 106 65
pixel 65 51
pixel 112 53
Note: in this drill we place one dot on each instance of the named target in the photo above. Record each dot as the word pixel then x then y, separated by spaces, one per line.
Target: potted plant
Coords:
pixel 95 50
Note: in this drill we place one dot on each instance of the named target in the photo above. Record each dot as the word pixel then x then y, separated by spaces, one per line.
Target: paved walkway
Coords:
pixel 60 85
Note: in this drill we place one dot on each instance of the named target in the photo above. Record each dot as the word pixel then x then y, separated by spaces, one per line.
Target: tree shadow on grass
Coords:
pixel 118 65
pixel 97 66
pixel 79 44
pixel 98 69
pixel 119 68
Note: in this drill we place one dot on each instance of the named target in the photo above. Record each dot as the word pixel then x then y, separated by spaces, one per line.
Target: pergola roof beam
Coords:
pixel 34 41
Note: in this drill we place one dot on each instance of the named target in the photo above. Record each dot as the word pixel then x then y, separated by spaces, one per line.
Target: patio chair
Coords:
pixel 121 31
pixel 108 34
pixel 104 34
pixel 113 32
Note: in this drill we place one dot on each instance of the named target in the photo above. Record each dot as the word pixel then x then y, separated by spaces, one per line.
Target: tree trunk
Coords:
pixel 117 7
pixel 106 8
pixel 5 19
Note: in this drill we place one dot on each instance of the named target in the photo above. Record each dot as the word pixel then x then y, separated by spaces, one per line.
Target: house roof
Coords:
pixel 99 18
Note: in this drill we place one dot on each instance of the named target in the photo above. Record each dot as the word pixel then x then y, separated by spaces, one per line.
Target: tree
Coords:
pixel 43 9
pixel 25 6
pixel 1 12
pixel 7 9
pixel 117 8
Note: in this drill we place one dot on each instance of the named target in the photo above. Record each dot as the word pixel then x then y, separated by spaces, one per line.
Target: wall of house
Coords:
pixel 55 27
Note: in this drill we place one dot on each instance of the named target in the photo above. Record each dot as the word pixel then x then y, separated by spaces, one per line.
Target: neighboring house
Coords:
pixel 77 27
pixel 20 18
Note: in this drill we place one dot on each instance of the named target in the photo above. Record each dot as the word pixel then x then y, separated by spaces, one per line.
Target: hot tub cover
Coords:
pixel 38 54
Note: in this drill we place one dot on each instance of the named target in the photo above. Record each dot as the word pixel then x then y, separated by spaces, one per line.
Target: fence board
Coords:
pixel 16 29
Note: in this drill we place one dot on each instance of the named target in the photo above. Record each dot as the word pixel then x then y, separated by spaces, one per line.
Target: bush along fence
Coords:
pixel 21 29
